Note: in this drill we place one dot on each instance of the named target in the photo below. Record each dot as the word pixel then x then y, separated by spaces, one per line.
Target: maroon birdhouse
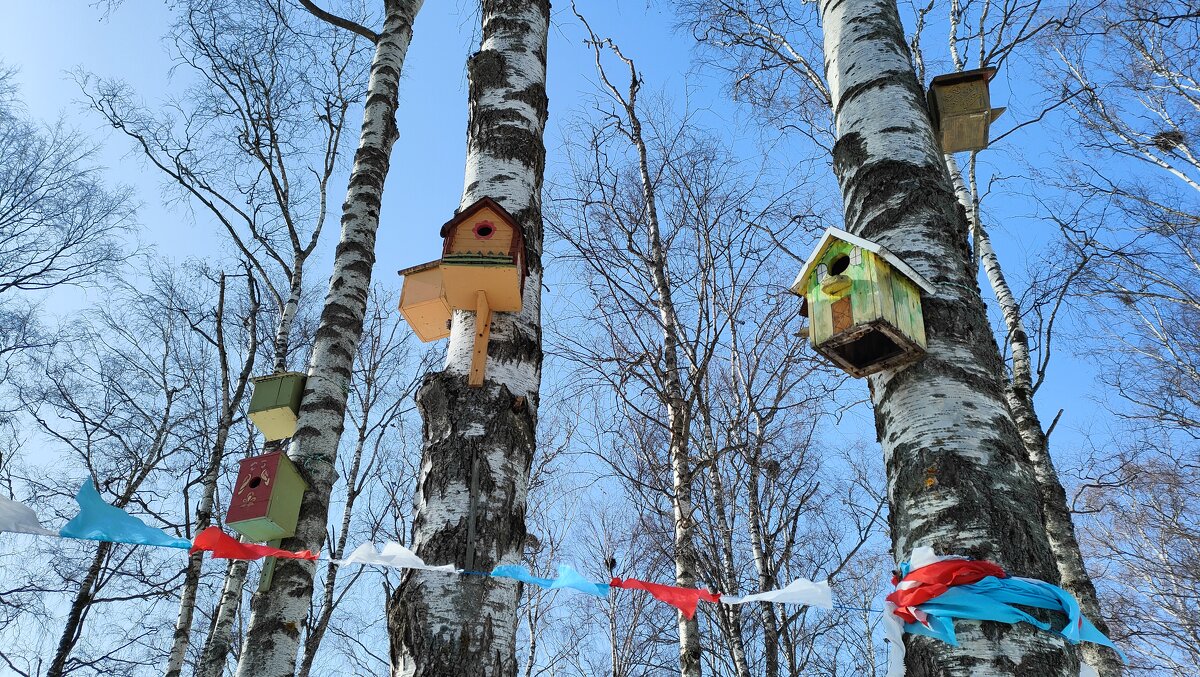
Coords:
pixel 482 269
pixel 266 498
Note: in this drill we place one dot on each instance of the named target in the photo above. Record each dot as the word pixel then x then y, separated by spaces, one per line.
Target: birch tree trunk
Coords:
pixel 957 480
pixel 479 442
pixel 1019 391
pixel 220 634
pixel 232 393
pixel 273 637
pixel 679 411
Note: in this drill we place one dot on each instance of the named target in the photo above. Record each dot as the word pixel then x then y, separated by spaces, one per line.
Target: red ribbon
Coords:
pixel 224 546
pixel 684 599
pixel 932 580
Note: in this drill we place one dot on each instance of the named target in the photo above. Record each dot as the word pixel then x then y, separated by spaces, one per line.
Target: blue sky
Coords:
pixel 426 178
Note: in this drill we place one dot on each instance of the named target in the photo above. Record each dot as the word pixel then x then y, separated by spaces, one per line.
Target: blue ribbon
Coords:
pixel 99 521
pixel 567 578
pixel 989 600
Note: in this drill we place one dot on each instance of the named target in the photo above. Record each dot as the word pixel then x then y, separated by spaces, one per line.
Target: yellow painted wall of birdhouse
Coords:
pixel 424 305
pixel 484 233
pixel 501 283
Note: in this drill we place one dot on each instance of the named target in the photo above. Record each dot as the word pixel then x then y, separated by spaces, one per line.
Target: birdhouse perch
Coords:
pixel 961 110
pixel 482 269
pixel 863 304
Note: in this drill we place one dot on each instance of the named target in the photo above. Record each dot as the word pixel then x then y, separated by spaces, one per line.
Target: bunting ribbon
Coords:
pixel 20 519
pixel 932 591
pixel 799 591
pixel 224 546
pixel 99 521
pixel 684 599
pixel 567 578
pixel 393 555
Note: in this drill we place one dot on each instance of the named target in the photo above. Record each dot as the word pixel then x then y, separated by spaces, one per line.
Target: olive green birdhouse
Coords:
pixel 276 404
pixel 960 108
pixel 266 498
pixel 482 269
pixel 863 304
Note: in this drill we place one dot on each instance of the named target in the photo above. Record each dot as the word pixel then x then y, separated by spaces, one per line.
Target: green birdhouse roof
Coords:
pixel 833 234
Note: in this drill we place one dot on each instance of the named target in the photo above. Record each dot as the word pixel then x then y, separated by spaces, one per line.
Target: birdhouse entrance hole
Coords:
pixel 484 230
pixel 839 265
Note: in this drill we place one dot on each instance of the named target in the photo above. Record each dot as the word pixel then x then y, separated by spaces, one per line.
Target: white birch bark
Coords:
pixel 479 442
pixel 956 476
pixel 273 637
pixel 1019 391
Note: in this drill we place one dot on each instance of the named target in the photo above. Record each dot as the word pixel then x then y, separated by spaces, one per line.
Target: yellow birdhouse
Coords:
pixel 960 108
pixel 863 304
pixel 423 301
pixel 482 269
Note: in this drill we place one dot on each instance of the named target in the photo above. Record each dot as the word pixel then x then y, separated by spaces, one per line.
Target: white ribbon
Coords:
pixel 799 591
pixel 393 555
pixel 21 519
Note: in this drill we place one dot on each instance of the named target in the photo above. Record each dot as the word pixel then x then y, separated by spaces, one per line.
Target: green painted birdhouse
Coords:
pixel 266 498
pixel 863 304
pixel 276 404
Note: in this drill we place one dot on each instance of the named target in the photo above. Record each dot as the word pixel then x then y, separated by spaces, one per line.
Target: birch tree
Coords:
pixel 675 369
pixel 653 202
pixel 380 391
pixel 234 369
pixel 479 443
pixel 60 225
pixel 266 81
pixel 884 157
pixel 994 37
pixel 277 615
pixel 117 406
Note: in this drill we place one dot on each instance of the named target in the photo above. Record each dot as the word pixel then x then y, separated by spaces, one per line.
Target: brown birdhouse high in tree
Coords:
pixel 482 269
pixel 960 107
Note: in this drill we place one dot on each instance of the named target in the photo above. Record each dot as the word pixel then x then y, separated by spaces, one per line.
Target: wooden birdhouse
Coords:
pixel 423 301
pixel 863 304
pixel 266 498
pixel 960 108
pixel 482 269
pixel 276 404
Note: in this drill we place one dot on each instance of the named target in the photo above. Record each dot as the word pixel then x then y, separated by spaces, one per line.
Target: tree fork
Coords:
pixel 957 476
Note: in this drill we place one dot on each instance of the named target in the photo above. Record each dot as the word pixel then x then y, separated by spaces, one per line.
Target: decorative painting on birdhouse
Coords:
pixel 863 304
pixel 482 269
pixel 266 498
